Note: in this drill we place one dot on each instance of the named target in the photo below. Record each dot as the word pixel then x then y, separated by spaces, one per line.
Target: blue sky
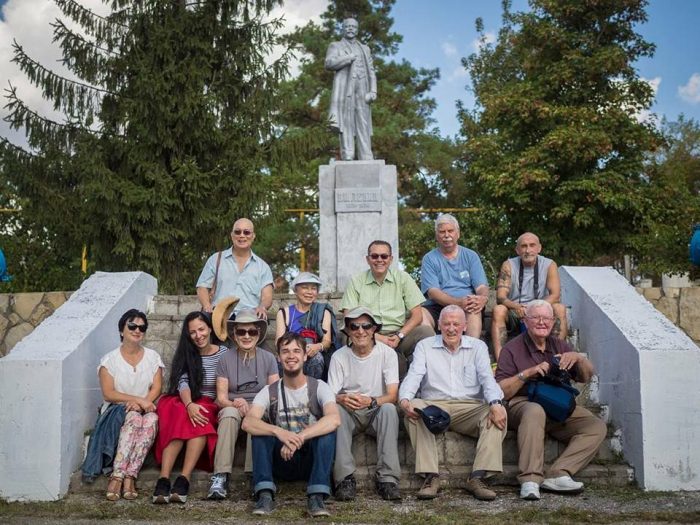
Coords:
pixel 438 33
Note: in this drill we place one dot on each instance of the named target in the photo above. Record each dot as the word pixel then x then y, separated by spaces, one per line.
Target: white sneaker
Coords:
pixel 529 490
pixel 562 484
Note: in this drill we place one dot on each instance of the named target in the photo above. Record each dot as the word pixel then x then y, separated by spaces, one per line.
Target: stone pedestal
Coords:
pixel 358 204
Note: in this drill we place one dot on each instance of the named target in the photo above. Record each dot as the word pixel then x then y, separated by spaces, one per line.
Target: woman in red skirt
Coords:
pixel 188 415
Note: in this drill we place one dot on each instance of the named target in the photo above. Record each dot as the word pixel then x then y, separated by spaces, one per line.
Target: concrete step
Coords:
pixel 455 453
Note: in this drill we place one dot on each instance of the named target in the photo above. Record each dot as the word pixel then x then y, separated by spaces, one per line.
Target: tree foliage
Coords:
pixel 168 126
pixel 555 144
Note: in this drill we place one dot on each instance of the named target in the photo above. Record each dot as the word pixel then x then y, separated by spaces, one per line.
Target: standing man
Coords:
pixel 354 89
pixel 453 372
pixel 527 358
pixel 523 279
pixel 453 274
pixel 364 377
pixel 389 294
pixel 296 439
pixel 237 272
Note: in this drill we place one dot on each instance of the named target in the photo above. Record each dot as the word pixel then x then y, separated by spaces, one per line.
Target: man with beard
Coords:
pixel 293 423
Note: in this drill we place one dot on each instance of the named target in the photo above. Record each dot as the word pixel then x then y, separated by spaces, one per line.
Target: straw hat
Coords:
pixel 221 315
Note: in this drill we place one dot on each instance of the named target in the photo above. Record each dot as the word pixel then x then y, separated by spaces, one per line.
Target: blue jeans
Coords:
pixel 312 463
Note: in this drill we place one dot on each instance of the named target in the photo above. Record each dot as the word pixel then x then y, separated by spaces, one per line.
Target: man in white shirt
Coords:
pixel 364 376
pixel 453 372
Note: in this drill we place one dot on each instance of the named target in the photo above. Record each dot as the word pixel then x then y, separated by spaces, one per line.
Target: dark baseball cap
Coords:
pixel 435 418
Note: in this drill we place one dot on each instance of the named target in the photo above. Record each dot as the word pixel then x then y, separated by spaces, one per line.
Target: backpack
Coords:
pixel 314 406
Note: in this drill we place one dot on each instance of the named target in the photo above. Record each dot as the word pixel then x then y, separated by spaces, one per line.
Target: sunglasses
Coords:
pixel 140 327
pixel 356 326
pixel 382 256
pixel 252 332
pixel 243 232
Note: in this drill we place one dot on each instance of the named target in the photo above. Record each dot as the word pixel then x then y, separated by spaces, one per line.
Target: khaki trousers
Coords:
pixel 468 417
pixel 583 432
pixel 229 426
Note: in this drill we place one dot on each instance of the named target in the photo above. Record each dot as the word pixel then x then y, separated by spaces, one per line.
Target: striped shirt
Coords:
pixel 209 364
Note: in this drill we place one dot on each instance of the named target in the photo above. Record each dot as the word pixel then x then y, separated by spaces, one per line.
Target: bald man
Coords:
pixel 523 279
pixel 237 271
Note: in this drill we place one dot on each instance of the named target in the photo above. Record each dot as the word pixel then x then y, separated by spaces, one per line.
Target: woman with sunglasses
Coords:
pixel 188 414
pixel 242 372
pixel 131 375
pixel 313 321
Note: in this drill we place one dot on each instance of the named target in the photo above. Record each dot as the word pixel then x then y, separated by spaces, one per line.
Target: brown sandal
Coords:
pixel 129 490
pixel 115 493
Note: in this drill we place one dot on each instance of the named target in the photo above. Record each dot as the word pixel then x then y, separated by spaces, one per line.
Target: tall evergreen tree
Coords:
pixel 554 144
pixel 404 133
pixel 166 134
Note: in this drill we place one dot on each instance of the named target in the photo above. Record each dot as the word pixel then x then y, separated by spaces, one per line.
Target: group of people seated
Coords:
pixel 300 406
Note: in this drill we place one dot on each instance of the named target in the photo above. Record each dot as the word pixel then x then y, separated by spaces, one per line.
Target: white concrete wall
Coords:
pixel 49 392
pixel 648 371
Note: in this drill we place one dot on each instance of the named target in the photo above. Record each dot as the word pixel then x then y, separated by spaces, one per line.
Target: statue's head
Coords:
pixel 350 27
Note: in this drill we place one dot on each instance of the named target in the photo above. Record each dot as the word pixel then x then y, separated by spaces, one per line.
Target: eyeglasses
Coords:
pixel 382 256
pixel 247 387
pixel 140 327
pixel 252 332
pixel 540 318
pixel 356 326
pixel 243 232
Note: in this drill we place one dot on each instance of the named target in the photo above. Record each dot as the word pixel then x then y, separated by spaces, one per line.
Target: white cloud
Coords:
pixel 489 37
pixel 457 73
pixel 449 49
pixel 691 91
pixel 654 83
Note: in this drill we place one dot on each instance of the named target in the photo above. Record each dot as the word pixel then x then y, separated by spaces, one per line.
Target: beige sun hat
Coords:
pixel 250 317
pixel 357 312
pixel 221 314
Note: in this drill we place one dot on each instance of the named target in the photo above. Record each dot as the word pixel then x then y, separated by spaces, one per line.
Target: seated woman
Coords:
pixel 131 375
pixel 314 321
pixel 188 413
pixel 242 372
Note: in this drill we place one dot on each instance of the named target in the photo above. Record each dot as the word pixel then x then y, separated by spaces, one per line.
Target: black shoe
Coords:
pixel 388 490
pixel 161 494
pixel 346 489
pixel 181 488
pixel 264 504
pixel 316 506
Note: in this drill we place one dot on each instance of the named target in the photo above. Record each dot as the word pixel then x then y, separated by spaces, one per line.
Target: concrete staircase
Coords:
pixel 456 452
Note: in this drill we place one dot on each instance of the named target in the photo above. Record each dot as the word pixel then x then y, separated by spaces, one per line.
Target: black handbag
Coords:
pixel 554 393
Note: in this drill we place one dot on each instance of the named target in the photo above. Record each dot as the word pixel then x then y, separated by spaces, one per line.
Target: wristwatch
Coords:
pixel 373 403
pixel 522 377
pixel 401 335
pixel 496 402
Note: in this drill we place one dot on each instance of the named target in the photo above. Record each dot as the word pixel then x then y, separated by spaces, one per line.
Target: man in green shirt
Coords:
pixel 389 294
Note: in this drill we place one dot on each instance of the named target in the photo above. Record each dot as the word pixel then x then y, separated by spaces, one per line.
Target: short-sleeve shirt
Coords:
pixel 131 380
pixel 458 277
pixel 209 366
pixel 246 285
pixel 298 415
pixel 369 375
pixel 246 379
pixel 520 353
pixel 389 301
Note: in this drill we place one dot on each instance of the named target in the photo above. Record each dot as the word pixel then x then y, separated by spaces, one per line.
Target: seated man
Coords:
pixel 524 359
pixel 364 377
pixel 522 279
pixel 296 441
pixel 453 274
pixel 453 372
pixel 389 294
pixel 237 271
